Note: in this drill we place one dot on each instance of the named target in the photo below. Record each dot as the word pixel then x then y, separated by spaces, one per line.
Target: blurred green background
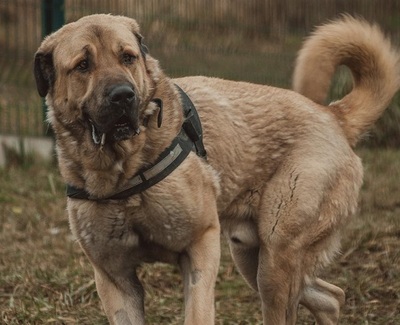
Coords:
pixel 251 40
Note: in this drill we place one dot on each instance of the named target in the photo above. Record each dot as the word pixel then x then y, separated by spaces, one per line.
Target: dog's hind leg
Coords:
pixel 323 300
pixel 279 282
pixel 122 299
pixel 301 212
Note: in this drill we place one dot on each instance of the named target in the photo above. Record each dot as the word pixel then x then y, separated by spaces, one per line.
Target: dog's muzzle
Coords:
pixel 118 118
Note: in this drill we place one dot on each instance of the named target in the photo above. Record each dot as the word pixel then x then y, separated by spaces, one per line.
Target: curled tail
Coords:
pixel 373 62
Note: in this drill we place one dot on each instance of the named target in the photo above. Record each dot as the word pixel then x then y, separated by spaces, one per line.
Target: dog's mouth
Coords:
pixel 123 129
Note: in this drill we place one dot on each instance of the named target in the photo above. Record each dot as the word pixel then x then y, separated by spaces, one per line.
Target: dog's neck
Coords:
pixel 102 170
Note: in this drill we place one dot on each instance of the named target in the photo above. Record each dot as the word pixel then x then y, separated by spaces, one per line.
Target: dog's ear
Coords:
pixel 143 48
pixel 44 72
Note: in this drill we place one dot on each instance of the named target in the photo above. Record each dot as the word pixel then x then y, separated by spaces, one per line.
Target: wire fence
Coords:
pixel 251 40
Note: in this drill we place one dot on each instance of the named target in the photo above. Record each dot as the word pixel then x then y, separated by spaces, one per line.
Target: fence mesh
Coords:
pixel 252 40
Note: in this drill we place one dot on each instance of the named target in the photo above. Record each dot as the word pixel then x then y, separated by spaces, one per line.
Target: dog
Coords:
pixel 157 168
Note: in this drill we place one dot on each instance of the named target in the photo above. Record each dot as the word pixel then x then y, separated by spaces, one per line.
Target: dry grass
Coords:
pixel 45 278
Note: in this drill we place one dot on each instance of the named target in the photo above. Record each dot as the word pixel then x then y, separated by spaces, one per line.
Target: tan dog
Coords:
pixel 281 176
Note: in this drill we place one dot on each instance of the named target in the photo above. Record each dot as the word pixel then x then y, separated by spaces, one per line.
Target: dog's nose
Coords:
pixel 122 95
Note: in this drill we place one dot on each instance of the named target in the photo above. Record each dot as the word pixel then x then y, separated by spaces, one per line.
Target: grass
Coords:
pixel 46 279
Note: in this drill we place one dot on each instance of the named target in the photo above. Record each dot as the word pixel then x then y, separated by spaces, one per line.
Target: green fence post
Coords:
pixel 52 19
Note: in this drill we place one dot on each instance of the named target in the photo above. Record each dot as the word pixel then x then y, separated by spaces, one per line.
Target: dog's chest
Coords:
pixel 141 232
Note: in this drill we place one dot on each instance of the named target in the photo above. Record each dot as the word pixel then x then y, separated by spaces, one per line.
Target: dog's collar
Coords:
pixel 189 138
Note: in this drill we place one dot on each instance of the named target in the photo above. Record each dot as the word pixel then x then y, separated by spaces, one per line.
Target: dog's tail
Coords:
pixel 374 64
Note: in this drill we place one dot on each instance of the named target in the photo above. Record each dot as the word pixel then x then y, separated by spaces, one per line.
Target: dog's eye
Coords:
pixel 83 66
pixel 128 58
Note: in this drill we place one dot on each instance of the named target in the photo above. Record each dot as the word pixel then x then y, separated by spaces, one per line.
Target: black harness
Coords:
pixel 189 138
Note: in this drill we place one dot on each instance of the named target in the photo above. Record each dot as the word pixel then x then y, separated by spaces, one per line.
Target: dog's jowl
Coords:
pixel 157 168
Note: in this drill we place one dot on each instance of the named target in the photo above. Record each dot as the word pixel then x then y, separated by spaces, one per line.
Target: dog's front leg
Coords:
pixel 199 265
pixel 122 298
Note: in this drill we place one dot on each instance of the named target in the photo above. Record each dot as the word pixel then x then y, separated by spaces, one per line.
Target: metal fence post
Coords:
pixel 52 19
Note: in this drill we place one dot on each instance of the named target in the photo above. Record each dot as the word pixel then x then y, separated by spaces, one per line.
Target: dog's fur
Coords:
pixel 281 176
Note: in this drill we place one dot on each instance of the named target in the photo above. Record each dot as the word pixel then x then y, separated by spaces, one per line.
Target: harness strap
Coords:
pixel 192 124
pixel 190 137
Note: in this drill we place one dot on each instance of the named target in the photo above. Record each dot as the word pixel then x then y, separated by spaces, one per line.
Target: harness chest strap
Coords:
pixel 189 138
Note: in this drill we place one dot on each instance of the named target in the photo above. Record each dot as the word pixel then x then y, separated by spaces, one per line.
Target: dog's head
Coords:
pixel 97 77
